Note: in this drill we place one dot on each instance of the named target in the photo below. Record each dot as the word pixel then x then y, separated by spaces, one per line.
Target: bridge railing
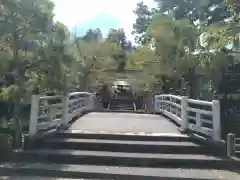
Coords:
pixel 233 145
pixel 198 116
pixel 237 145
pixel 48 112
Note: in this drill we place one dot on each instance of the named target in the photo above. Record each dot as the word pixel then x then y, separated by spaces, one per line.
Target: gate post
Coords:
pixel 216 120
pixel 34 115
pixel 184 106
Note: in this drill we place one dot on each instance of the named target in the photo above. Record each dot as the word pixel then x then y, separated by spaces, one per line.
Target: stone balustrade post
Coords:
pixel 184 106
pixel 231 145
pixel 216 120
pixel 65 117
pixel 34 116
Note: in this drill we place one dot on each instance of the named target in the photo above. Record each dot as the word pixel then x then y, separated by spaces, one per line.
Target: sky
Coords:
pixel 104 14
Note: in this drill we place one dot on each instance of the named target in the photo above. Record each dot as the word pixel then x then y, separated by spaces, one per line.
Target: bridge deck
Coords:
pixel 111 122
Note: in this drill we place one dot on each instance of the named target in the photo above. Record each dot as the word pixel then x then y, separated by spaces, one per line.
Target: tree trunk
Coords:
pixel 17 127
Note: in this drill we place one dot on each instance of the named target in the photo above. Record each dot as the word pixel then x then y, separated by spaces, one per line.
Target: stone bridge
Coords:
pixel 70 137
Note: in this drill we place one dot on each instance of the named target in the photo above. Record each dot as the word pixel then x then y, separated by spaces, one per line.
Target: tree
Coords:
pixel 98 59
pixel 39 55
pixel 174 41
pixel 199 12
pixel 146 67
pixel 144 16
pixel 58 55
pixel 176 30
pixel 37 58
pixel 118 37
pixel 204 11
pixel 93 35
pixel 234 5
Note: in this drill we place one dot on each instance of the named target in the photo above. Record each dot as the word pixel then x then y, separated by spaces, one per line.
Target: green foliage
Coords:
pixel 204 11
pixel 93 35
pixel 190 36
pixel 39 55
pixel 144 16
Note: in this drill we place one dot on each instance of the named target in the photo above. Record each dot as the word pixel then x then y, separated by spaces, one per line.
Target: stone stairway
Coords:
pixel 122 104
pixel 75 155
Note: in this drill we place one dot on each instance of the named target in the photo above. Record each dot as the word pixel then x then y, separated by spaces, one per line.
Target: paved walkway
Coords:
pixel 112 122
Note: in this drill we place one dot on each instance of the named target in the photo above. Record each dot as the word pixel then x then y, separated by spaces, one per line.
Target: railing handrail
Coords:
pixel 173 106
pixel 50 97
pixel 200 102
pixel 169 95
pixel 179 108
pixel 78 93
pixel 58 113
